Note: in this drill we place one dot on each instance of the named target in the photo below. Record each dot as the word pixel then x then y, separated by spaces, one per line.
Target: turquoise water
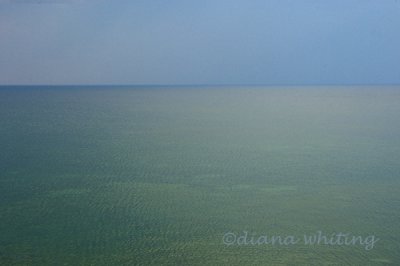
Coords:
pixel 160 175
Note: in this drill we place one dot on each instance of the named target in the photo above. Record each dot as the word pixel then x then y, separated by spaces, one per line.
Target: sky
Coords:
pixel 269 42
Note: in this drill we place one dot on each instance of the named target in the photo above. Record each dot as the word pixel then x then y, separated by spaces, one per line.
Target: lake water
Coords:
pixel 199 175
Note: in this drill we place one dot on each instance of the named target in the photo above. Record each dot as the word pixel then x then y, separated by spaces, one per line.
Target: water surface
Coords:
pixel 158 175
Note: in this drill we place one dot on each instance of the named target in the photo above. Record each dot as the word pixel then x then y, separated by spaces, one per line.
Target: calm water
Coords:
pixel 160 176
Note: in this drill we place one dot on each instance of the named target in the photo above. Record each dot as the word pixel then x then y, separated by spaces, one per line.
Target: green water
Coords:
pixel 158 176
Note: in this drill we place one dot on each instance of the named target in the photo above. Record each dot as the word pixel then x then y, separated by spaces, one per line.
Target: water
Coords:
pixel 159 175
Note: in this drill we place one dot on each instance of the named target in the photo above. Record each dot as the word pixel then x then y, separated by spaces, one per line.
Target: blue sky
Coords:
pixel 199 42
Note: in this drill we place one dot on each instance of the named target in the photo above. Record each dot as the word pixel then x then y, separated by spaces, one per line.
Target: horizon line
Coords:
pixel 201 84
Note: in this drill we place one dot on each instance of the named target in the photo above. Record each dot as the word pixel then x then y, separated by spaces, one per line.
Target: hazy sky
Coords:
pixel 199 42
